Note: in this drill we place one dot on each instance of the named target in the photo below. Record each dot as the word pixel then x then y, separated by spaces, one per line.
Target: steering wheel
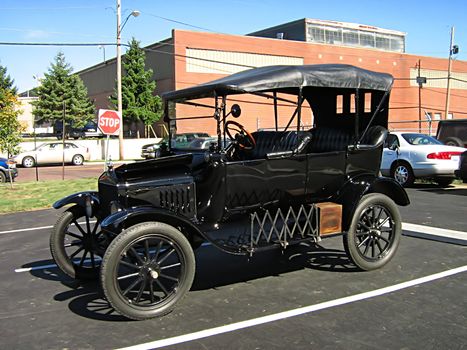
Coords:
pixel 243 137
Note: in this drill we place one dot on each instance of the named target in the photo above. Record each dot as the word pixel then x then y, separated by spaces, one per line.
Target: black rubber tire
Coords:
pixel 2 177
pixel 454 141
pixel 77 159
pixel 402 172
pixel 120 283
pixel 67 228
pixel 444 181
pixel 28 162
pixel 363 229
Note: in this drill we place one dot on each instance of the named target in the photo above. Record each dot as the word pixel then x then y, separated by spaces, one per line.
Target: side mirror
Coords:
pixel 393 147
pixel 236 111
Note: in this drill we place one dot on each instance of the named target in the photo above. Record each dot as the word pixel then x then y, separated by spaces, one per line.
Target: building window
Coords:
pixel 316 34
pixel 350 38
pixel 437 116
pixel 367 40
pixel 383 43
pixel 450 116
pixel 334 36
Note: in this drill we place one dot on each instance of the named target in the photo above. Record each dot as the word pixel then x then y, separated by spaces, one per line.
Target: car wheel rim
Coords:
pixel 150 272
pixel 28 162
pixel 401 174
pixel 375 233
pixel 77 160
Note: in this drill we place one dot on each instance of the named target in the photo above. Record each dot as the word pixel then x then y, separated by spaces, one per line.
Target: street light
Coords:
pixel 102 47
pixel 453 50
pixel 134 13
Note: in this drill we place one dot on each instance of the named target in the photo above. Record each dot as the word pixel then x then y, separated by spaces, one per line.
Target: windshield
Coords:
pixel 420 139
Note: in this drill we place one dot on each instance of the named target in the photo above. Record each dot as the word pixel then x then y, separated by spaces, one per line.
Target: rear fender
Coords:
pixel 354 189
pixel 119 221
pixel 89 200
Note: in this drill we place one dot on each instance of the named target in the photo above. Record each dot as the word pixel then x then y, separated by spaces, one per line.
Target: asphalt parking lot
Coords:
pixel 308 297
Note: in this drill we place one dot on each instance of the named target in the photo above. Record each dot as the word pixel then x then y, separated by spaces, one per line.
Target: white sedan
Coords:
pixel 407 156
pixel 53 152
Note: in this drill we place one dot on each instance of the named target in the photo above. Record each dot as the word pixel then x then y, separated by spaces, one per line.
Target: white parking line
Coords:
pixel 26 229
pixel 292 313
pixel 436 233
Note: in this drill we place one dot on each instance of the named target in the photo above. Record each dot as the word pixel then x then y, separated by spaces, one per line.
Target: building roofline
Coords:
pixel 330 23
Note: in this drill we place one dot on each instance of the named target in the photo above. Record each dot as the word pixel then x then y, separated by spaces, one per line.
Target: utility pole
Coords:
pixel 119 78
pixel 419 99
pixel 448 87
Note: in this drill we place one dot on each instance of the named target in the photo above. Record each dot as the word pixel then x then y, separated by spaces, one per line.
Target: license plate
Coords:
pixel 455 158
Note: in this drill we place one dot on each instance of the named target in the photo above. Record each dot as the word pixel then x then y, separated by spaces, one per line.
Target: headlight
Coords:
pixel 150 149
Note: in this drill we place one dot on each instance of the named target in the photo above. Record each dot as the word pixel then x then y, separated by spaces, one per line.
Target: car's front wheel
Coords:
pixel 374 233
pixel 28 162
pixel 147 270
pixel 77 159
pixel 402 172
pixel 2 177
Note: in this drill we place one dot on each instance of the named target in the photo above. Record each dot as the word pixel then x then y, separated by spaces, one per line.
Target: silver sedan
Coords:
pixel 408 156
pixel 53 152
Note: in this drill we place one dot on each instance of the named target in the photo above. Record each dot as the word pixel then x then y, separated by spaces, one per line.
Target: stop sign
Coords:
pixel 109 121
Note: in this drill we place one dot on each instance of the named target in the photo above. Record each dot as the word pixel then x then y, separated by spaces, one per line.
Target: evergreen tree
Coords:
pixel 138 101
pixel 6 83
pixel 59 86
pixel 10 128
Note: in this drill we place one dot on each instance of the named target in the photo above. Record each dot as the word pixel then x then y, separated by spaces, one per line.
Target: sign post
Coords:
pixel 110 123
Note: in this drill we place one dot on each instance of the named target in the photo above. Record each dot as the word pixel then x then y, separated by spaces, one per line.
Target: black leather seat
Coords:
pixel 329 140
pixel 268 142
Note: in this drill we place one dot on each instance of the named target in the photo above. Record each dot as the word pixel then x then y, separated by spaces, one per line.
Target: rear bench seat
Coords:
pixel 279 142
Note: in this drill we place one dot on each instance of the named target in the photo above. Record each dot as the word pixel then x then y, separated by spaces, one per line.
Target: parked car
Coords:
pixel 8 170
pixel 178 141
pixel 452 132
pixel 206 142
pixel 91 129
pixel 267 189
pixel 462 171
pixel 408 156
pixel 52 152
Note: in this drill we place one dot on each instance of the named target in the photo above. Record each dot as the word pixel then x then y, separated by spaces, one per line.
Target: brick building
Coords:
pixel 189 58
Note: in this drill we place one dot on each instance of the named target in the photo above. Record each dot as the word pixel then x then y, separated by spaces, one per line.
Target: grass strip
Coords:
pixel 35 195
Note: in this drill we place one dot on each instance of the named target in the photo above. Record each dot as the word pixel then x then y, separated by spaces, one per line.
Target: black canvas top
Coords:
pixel 271 78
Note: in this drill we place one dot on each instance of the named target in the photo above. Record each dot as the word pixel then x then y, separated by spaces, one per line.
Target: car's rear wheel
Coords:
pixel 77 159
pixel 374 233
pixel 75 243
pixel 147 270
pixel 402 172
pixel 2 177
pixel 444 182
pixel 28 162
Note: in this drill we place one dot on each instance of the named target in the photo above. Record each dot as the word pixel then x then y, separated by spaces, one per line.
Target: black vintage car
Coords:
pixel 268 188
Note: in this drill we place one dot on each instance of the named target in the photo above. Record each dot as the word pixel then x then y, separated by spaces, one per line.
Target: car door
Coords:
pixel 51 153
pixel 390 153
pixel 261 182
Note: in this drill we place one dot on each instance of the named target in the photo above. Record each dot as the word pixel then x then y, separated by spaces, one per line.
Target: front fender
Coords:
pixel 89 200
pixel 118 221
pixel 355 188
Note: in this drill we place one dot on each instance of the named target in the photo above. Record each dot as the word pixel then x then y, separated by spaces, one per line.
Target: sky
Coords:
pixel 427 24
